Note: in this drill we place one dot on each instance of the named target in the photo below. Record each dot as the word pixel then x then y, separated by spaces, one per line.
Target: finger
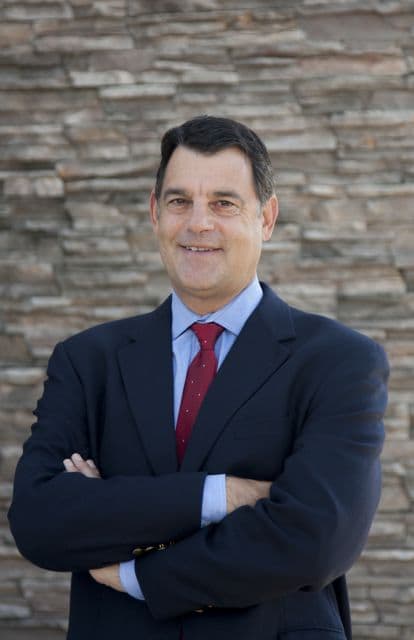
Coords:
pixel 76 459
pixel 108 576
pixel 69 466
pixel 93 467
pixel 96 574
pixel 81 466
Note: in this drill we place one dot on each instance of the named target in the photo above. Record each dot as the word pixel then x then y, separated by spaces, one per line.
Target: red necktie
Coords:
pixel 200 375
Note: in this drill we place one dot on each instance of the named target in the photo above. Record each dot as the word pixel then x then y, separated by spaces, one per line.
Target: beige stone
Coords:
pixel 374 118
pixel 385 531
pixel 101 78
pixel 70 171
pixel 135 91
pixel 394 498
pixel 68 44
pixel 363 613
pixel 37 11
pixel 14 34
pixel 14 609
pixel 114 185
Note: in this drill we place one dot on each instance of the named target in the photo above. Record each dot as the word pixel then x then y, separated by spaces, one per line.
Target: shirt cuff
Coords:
pixel 214 502
pixel 129 580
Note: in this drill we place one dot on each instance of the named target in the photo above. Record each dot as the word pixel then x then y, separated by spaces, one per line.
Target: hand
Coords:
pixel 76 464
pixel 109 576
pixel 244 491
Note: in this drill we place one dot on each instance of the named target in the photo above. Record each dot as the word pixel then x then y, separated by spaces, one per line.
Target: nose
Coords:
pixel 201 218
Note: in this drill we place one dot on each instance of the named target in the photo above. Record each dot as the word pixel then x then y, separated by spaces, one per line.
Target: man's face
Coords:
pixel 210 225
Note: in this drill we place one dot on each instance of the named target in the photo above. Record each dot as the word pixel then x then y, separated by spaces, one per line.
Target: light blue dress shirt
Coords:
pixel 185 346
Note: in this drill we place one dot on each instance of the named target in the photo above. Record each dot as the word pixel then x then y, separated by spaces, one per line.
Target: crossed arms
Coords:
pixel 239 492
pixel 309 530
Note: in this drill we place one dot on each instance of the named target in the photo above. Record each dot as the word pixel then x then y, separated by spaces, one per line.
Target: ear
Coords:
pixel 153 211
pixel 269 216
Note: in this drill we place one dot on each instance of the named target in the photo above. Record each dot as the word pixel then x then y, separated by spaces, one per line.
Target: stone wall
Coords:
pixel 86 90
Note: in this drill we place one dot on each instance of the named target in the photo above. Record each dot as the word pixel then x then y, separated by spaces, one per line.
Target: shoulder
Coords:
pixel 110 336
pixel 111 332
pixel 314 326
pixel 330 342
pixel 321 337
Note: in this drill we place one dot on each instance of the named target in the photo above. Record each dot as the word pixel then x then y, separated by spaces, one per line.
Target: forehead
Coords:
pixel 195 171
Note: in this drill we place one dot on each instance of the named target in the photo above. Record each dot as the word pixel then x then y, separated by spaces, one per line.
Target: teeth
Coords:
pixel 197 249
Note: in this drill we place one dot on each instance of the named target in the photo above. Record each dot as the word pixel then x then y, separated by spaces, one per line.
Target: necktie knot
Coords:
pixel 207 334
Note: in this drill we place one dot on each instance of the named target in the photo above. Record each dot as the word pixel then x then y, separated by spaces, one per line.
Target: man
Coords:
pixel 194 504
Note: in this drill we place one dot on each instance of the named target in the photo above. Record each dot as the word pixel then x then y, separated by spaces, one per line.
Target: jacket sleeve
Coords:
pixel 67 522
pixel 316 520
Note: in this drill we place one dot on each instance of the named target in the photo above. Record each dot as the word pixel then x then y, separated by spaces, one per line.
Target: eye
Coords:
pixel 225 207
pixel 177 202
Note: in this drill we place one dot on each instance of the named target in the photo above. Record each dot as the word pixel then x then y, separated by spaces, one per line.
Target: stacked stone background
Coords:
pixel 86 90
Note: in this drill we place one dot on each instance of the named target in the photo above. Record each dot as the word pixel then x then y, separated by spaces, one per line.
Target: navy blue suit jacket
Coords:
pixel 299 400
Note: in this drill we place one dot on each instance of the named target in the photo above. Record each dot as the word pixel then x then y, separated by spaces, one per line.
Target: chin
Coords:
pixel 201 289
pixel 195 281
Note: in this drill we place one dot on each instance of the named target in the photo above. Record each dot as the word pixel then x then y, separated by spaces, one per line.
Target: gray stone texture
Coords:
pixel 86 89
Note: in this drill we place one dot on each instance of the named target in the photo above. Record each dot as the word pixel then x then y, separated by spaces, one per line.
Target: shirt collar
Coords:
pixel 232 316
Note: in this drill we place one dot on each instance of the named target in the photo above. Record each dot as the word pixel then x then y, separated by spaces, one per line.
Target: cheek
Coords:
pixel 166 231
pixel 247 245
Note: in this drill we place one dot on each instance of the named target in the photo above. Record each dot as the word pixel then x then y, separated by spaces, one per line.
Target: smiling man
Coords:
pixel 210 469
pixel 210 225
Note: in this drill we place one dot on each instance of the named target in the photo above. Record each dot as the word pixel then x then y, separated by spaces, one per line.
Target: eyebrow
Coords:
pixel 228 194
pixel 225 193
pixel 174 192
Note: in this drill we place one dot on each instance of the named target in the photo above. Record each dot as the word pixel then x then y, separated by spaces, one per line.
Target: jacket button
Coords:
pixel 139 551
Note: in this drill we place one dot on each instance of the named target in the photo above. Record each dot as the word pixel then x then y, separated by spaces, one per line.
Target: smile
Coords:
pixel 199 249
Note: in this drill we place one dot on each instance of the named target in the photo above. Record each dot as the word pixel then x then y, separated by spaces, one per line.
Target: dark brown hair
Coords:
pixel 210 134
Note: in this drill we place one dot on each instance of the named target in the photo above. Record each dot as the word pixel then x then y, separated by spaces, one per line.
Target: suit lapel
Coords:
pixel 146 369
pixel 260 349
